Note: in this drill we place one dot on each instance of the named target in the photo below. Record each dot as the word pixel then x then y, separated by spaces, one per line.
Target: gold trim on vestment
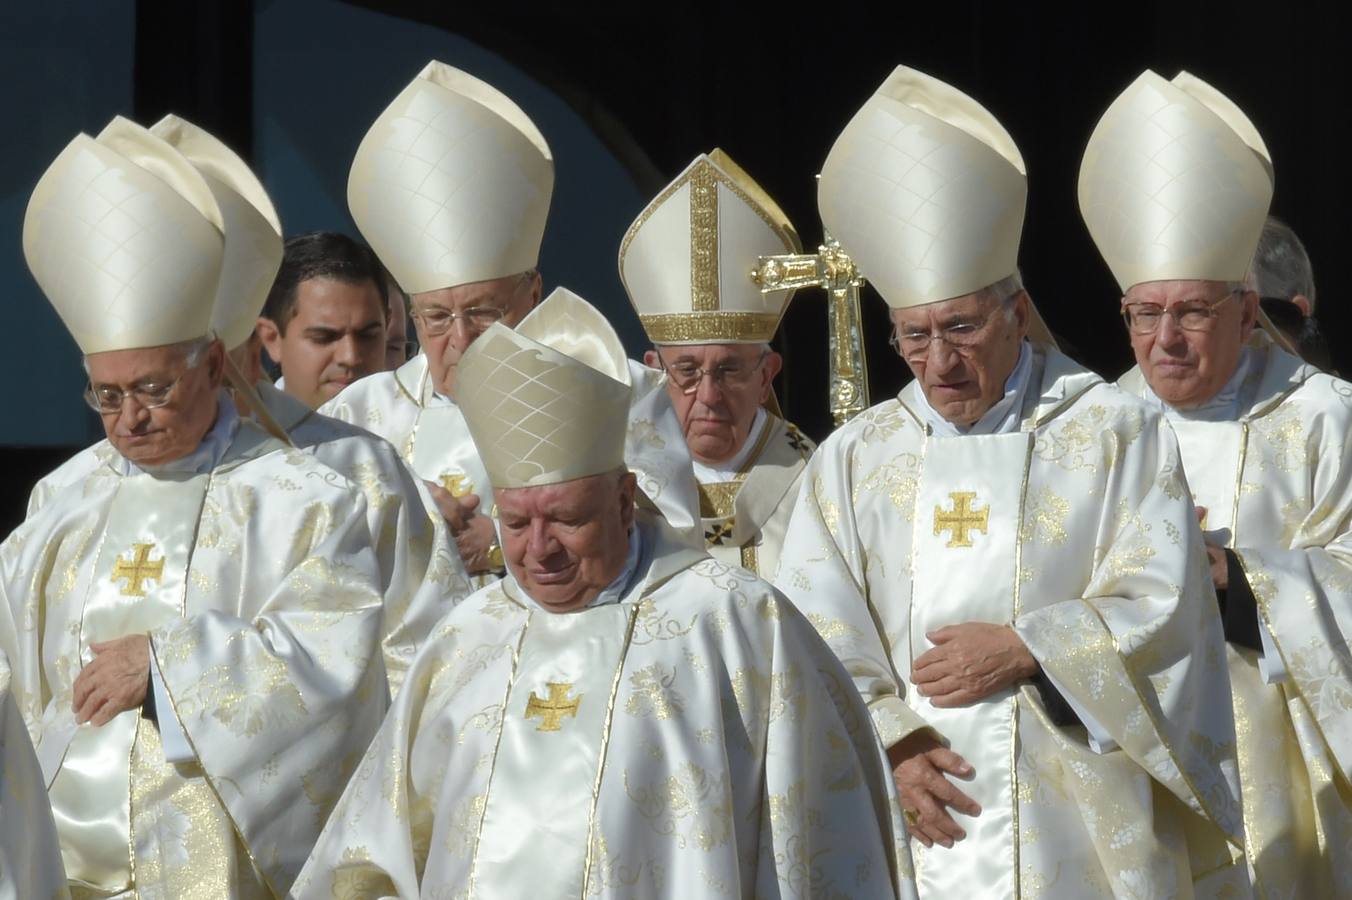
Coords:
pixel 211 785
pixel 703 239
pixel 750 558
pixel 1197 795
pixel 717 499
pixel 497 747
pixel 605 745
pixel 710 327
pixel 1016 843
pixel 1239 481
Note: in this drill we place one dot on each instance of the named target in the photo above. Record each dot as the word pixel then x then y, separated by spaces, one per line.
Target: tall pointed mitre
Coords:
pixel 547 403
pixel 1175 183
pixel 452 183
pixel 253 233
pixel 686 261
pixel 125 239
pixel 925 190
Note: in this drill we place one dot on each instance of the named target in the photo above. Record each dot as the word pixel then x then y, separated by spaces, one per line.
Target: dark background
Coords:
pixel 654 90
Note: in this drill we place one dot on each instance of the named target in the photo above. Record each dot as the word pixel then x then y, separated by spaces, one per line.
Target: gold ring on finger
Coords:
pixel 912 816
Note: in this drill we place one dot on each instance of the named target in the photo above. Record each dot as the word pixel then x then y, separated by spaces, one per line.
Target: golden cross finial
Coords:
pixel 137 570
pixel 961 520
pixel 553 709
pixel 456 485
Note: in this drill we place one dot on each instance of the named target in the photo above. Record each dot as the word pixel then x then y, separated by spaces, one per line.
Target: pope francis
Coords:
pixel 623 715
pixel 194 627
pixel 686 263
pixel 1004 556
pixel 1265 442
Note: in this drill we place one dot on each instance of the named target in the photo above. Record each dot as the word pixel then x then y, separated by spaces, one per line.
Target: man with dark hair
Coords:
pixel 325 318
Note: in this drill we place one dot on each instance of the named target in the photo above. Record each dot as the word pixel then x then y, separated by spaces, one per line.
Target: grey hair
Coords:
pixel 1004 291
pixel 193 352
pixel 1281 267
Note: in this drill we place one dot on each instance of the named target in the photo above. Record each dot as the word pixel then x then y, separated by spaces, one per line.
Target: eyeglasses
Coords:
pixel 108 400
pixel 687 376
pixel 1190 315
pixel 961 336
pixel 437 321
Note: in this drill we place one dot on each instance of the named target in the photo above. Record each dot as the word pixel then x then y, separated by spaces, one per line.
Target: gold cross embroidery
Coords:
pixel 137 570
pixel 456 485
pixel 552 710
pixel 961 520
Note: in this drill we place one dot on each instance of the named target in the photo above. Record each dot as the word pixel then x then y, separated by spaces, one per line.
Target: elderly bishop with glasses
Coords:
pixel 686 263
pixel 1264 440
pixel 193 627
pixel 451 187
pixel 1004 556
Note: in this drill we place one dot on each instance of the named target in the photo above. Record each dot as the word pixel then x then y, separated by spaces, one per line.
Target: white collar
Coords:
pixel 1002 418
pixel 208 453
pixel 712 473
pixel 1223 407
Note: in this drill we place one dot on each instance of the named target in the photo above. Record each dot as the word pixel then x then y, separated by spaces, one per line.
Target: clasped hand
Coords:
pixel 969 662
pixel 115 681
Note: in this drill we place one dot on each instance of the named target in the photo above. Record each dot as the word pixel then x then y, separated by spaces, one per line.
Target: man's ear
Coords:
pixel 651 359
pixel 1304 305
pixel 215 363
pixel 628 493
pixel 1248 314
pixel 773 364
pixel 270 336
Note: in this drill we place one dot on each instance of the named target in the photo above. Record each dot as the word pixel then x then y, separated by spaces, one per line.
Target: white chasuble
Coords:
pixel 1076 529
pixel 1278 480
pixel 431 436
pixel 30 854
pixel 693 739
pixel 261 597
pixel 744 516
pixel 420 569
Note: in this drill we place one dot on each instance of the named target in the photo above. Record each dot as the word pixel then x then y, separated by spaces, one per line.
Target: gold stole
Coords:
pixel 538 815
pixel 719 507
pixel 139 582
pixel 966 562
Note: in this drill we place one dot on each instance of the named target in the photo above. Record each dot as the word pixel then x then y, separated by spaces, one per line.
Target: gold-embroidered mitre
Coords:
pixel 125 239
pixel 253 233
pixel 925 190
pixel 1175 184
pixel 451 184
pixel 547 403
pixel 687 260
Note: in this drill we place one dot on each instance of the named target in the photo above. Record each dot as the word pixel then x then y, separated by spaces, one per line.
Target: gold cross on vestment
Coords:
pixel 456 485
pixel 961 520
pixel 553 709
pixel 137 570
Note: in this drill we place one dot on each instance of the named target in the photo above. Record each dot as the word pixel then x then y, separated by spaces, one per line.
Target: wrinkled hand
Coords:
pixel 1220 570
pixel 970 662
pixel 457 511
pixel 919 762
pixel 474 541
pixel 115 681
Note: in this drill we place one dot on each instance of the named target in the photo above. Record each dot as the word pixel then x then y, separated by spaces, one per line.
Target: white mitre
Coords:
pixel 926 191
pixel 451 184
pixel 124 237
pixel 253 233
pixel 687 260
pixel 546 403
pixel 1175 184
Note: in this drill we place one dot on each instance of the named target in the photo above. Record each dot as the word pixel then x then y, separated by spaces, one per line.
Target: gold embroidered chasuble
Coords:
pixel 1279 480
pixel 420 568
pixel 432 438
pixel 260 592
pixel 30 856
pixel 693 739
pixel 744 519
pixel 1076 529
